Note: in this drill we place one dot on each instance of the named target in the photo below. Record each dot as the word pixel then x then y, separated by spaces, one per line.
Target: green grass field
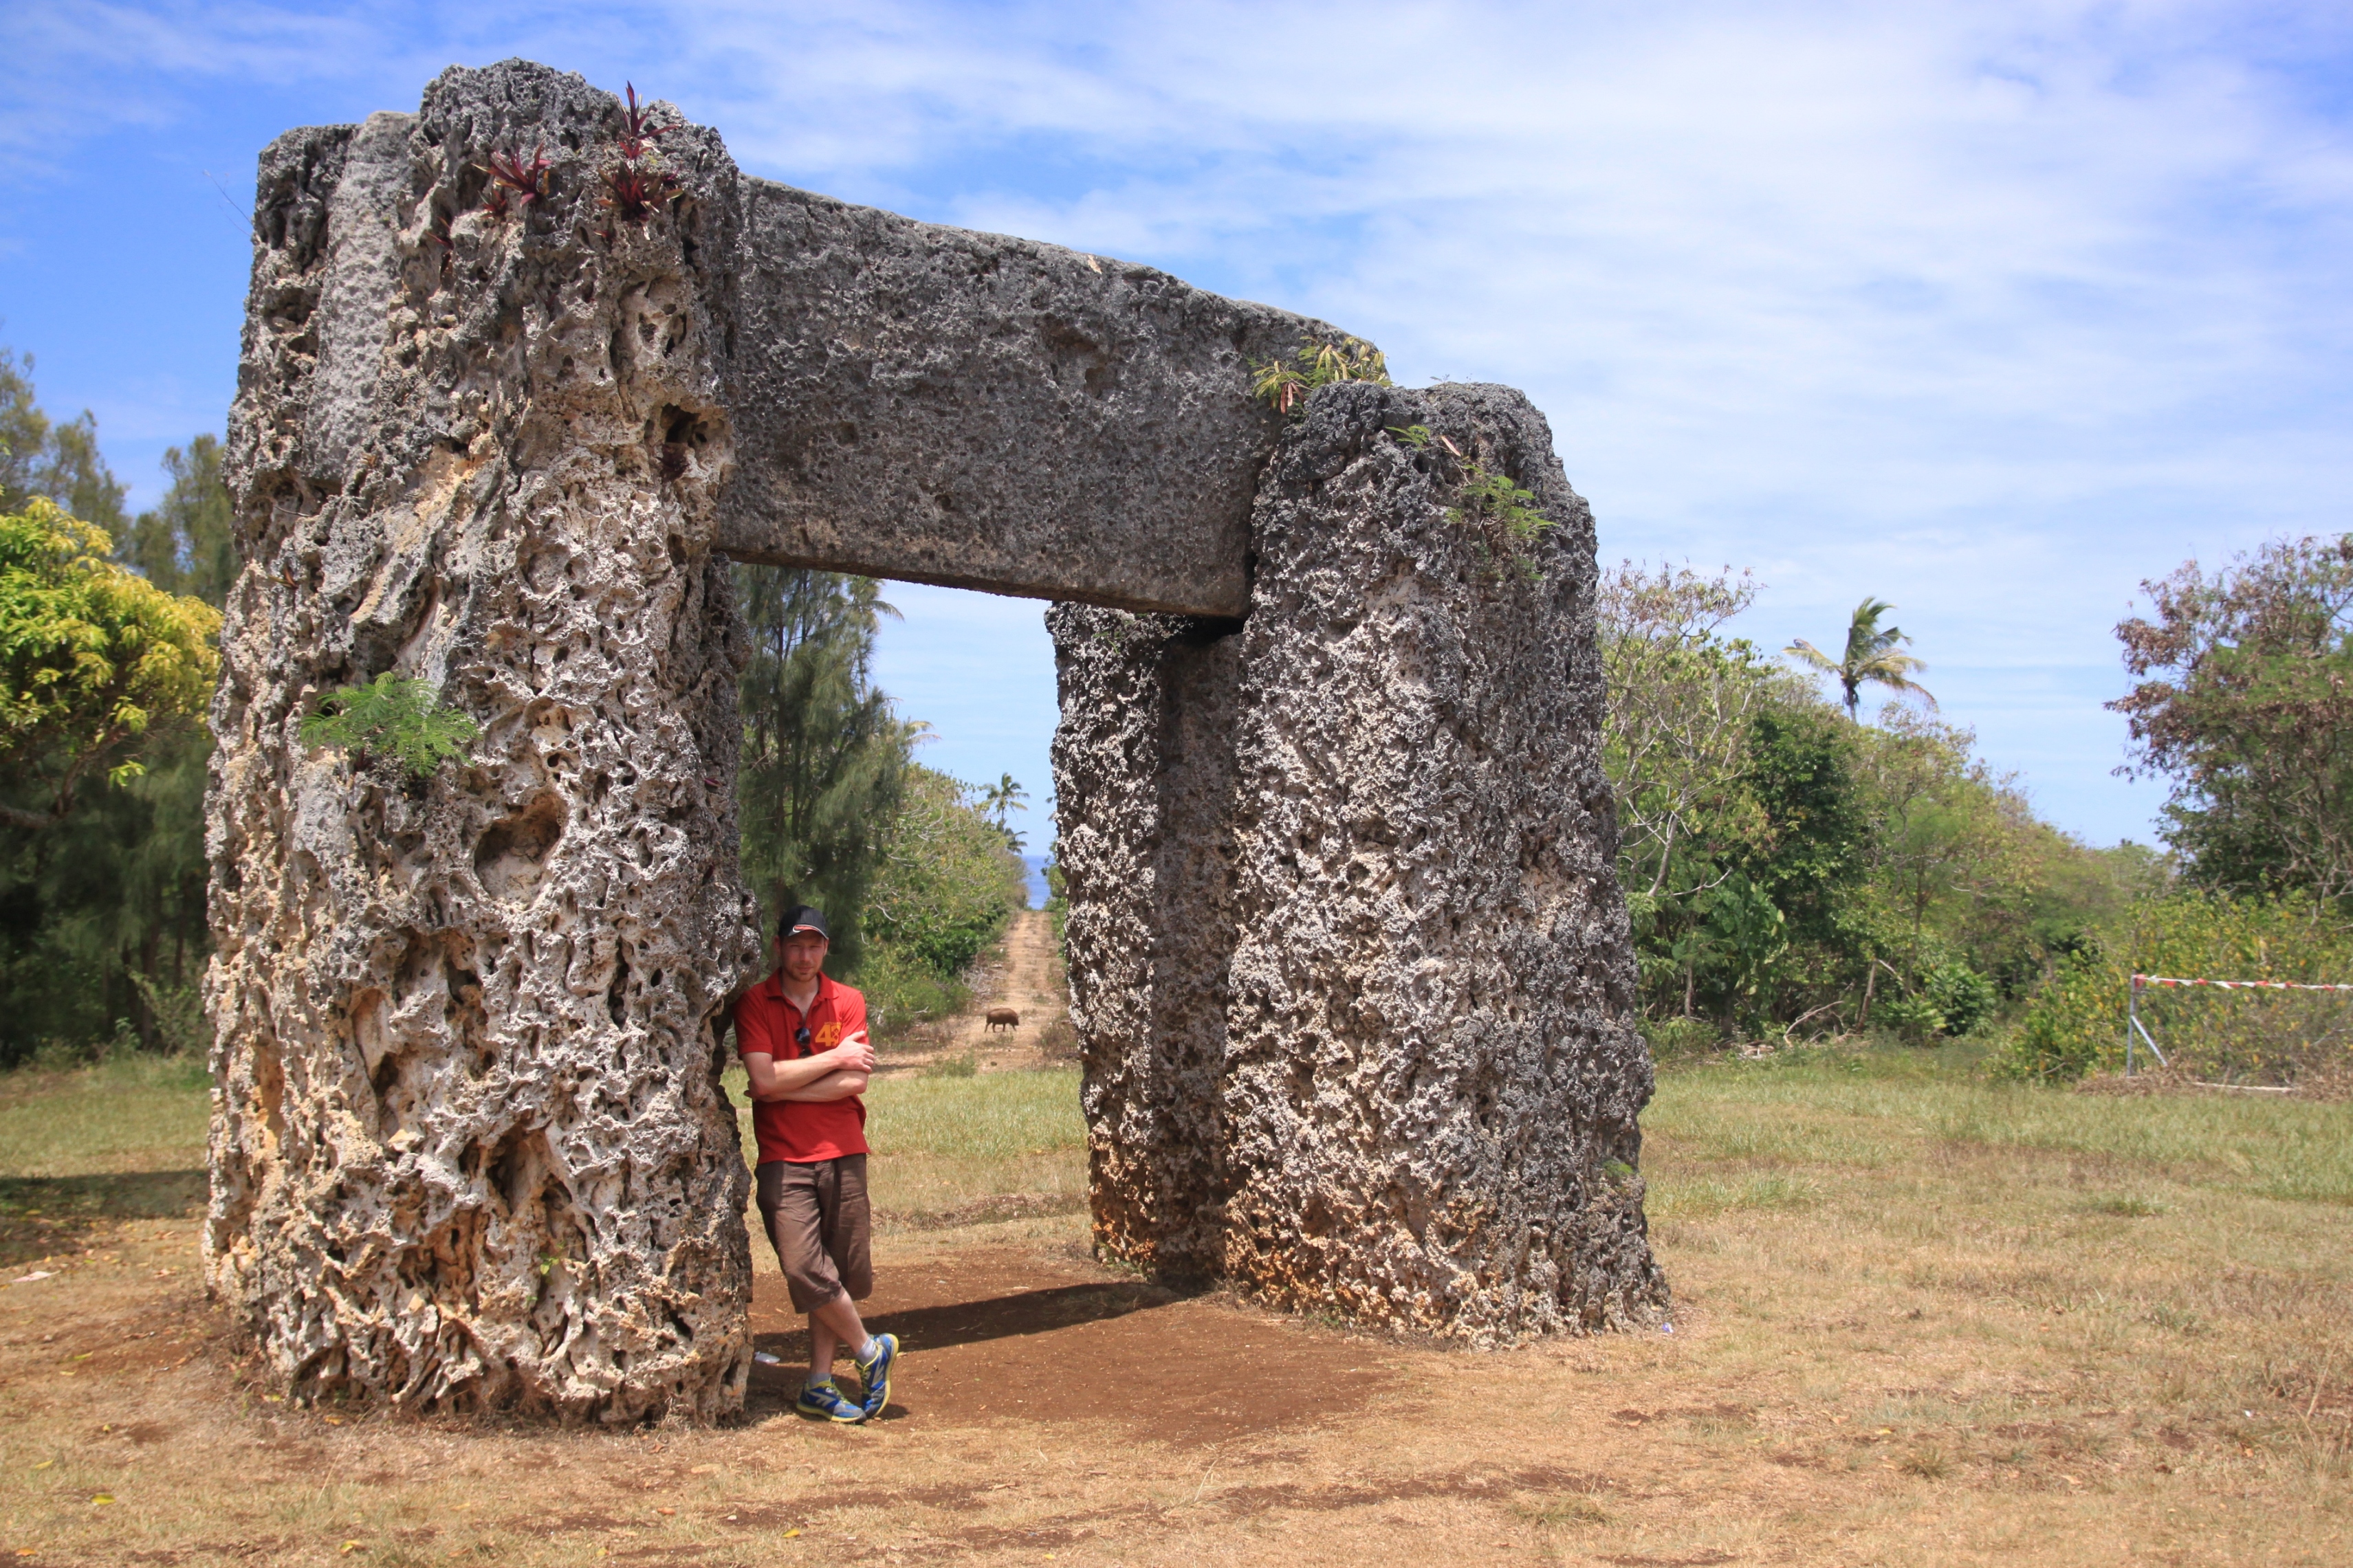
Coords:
pixel 132 1114
pixel 997 1132
pixel 126 1138
pixel 1879 1108
pixel 941 1143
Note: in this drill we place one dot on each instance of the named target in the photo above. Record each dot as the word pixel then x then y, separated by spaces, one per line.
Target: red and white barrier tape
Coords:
pixel 2236 985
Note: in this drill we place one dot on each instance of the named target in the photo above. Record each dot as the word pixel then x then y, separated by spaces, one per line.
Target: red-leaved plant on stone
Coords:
pixel 634 190
pixel 638 137
pixel 511 179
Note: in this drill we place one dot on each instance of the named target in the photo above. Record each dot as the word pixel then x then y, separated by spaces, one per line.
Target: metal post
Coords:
pixel 2132 1023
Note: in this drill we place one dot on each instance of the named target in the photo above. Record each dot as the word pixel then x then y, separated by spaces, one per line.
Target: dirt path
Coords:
pixel 1029 982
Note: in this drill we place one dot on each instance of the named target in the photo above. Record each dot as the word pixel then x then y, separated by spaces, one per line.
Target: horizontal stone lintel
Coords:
pixel 933 405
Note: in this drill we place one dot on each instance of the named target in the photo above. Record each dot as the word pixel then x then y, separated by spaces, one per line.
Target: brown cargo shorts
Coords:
pixel 817 1221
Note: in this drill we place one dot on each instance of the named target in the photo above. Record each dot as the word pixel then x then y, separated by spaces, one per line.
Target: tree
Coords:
pixel 1808 856
pixel 999 798
pixel 102 915
pixel 1873 656
pixel 948 882
pixel 1952 862
pixel 1784 864
pixel 1941 823
pixel 93 657
pixel 1678 700
pixel 2244 699
pixel 825 759
pixel 40 457
pixel 189 544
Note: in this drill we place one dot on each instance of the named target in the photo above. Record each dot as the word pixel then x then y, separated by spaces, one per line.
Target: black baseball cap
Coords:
pixel 801 917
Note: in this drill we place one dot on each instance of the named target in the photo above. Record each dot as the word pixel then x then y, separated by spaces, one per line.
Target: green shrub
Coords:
pixel 179 1015
pixel 1493 498
pixel 1672 1037
pixel 901 992
pixel 1913 1017
pixel 1962 997
pixel 1286 384
pixel 402 718
pixel 947 885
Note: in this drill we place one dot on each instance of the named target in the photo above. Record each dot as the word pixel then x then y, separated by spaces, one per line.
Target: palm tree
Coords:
pixel 1000 797
pixel 1873 656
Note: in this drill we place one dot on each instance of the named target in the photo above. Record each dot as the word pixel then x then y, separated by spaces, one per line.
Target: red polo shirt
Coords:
pixel 766 1023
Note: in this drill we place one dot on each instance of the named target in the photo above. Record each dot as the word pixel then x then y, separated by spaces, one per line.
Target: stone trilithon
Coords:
pixel 1349 962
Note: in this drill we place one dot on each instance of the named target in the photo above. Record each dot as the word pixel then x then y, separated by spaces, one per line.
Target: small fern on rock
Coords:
pixel 1493 498
pixel 403 718
pixel 1488 502
pixel 1286 383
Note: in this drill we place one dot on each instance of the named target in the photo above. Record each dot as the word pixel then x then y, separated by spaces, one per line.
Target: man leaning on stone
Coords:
pixel 803 1040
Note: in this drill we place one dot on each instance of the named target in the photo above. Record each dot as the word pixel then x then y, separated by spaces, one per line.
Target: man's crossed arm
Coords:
pixel 835 1074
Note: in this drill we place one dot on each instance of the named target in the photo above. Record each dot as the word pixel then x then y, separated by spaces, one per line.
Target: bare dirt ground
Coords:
pixel 1051 1410
pixel 1894 1343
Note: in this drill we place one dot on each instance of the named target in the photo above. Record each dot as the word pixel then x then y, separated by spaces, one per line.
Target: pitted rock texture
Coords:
pixel 1143 770
pixel 1432 1073
pixel 1426 1073
pixel 468 1146
pixel 968 409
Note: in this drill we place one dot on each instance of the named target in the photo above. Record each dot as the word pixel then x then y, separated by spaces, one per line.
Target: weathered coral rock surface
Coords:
pixel 1144 800
pixel 925 402
pixel 1350 968
pixel 468 1146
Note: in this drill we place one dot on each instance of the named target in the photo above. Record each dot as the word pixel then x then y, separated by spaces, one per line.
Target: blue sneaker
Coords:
pixel 823 1402
pixel 874 1376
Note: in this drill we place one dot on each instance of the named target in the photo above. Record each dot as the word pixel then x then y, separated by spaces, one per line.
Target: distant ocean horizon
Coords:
pixel 1038 891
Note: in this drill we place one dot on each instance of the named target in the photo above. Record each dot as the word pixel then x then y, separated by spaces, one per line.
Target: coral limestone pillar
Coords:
pixel 468 1146
pixel 1349 963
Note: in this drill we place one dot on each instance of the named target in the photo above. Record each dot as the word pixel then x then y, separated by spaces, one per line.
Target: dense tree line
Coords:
pixel 106 626
pixel 1789 867
pixel 2243 701
pixel 1792 869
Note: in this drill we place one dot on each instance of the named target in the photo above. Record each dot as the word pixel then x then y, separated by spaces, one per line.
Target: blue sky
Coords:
pixel 1990 309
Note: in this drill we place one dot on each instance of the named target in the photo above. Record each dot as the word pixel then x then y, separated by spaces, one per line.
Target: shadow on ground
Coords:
pixel 1027 1312
pixel 40 1216
pixel 986 1342
pixel 999 1318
